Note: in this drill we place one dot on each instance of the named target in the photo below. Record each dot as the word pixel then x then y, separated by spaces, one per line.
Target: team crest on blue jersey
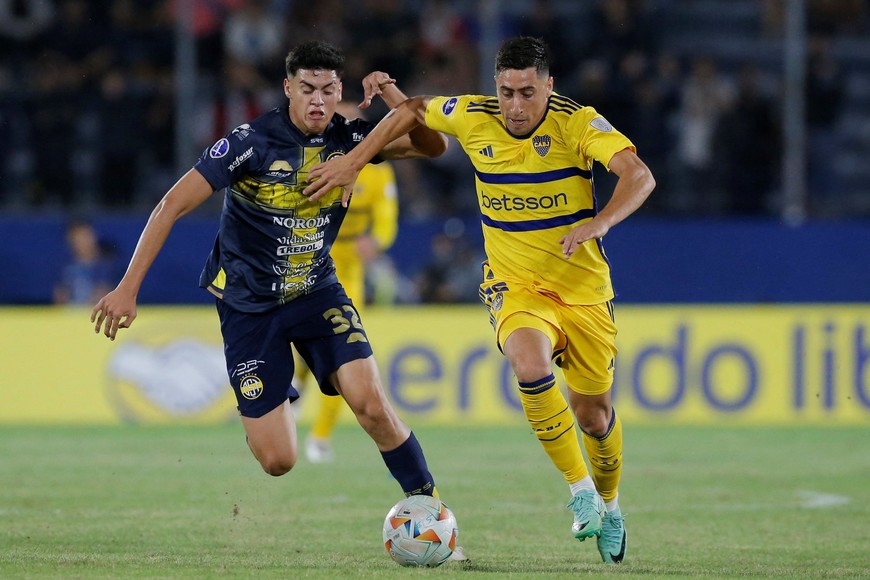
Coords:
pixel 449 105
pixel 542 144
pixel 219 149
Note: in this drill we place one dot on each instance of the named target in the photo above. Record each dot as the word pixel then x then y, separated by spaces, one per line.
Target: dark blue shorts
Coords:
pixel 323 326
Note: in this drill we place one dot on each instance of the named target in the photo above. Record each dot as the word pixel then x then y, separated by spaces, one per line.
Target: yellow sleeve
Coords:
pixel 595 136
pixel 448 114
pixel 385 207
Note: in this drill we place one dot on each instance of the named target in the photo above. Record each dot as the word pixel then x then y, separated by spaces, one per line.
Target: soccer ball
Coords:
pixel 420 530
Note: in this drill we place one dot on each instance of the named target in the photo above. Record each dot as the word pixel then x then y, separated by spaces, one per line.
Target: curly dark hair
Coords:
pixel 523 52
pixel 312 56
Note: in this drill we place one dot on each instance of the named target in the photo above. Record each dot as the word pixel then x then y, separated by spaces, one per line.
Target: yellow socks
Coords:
pixel 605 458
pixel 553 423
pixel 327 416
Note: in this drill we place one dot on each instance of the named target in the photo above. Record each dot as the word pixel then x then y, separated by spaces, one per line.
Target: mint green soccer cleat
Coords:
pixel 588 510
pixel 614 538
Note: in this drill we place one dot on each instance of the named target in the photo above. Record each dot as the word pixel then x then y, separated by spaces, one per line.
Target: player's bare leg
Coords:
pixel 272 439
pixel 360 385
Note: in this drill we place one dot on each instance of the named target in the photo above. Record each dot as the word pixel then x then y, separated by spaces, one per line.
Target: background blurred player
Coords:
pixel 546 279
pixel 91 271
pixel 369 229
pixel 270 267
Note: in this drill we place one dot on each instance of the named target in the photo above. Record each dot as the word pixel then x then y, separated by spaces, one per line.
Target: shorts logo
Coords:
pixel 219 149
pixel 251 387
pixel 497 301
pixel 601 124
pixel 449 105
pixel 542 144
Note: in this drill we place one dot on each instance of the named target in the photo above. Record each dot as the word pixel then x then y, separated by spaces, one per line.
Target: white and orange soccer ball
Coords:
pixel 420 530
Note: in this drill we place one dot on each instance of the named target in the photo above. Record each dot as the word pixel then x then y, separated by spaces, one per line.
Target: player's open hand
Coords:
pixel 582 233
pixel 373 85
pixel 323 178
pixel 117 310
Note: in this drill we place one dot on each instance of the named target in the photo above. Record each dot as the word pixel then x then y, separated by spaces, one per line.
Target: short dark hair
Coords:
pixel 312 56
pixel 521 53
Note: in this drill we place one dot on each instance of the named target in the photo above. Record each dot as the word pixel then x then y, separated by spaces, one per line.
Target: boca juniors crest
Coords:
pixel 541 144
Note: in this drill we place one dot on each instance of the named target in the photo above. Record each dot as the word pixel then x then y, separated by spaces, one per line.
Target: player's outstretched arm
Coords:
pixel 342 171
pixel 117 309
pixel 635 184
pixel 421 140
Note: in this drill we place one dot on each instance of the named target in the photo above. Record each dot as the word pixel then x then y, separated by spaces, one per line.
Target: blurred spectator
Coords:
pixel 52 109
pixel 825 18
pixel 591 85
pixel 386 32
pixel 824 105
pixel 828 18
pixel 454 271
pixel 442 28
pixel 243 95
pixel 21 23
pixel 91 271
pixel 254 36
pixel 747 147
pixel 653 136
pixel 96 125
pixel 705 96
pixel 207 27
pixel 541 20
pixel 619 27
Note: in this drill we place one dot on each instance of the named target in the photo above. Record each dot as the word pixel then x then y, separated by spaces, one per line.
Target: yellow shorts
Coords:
pixel 583 337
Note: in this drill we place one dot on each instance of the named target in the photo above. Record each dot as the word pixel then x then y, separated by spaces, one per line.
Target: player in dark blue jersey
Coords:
pixel 271 270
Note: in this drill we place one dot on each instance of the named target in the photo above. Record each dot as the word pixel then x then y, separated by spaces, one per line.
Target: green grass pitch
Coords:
pixel 167 502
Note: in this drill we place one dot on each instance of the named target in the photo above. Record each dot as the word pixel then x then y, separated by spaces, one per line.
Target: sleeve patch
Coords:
pixel 601 124
pixel 219 149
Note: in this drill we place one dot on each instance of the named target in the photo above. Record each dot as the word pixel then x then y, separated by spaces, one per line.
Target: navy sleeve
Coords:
pixel 226 160
pixel 359 129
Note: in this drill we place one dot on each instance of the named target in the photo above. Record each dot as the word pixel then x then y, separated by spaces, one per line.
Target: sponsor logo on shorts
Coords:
pixel 251 387
pixel 497 301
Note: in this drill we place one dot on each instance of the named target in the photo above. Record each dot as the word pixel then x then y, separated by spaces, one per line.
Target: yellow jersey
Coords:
pixel 534 189
pixel 373 210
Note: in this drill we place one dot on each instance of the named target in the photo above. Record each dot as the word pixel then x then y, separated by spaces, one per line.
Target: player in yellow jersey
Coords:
pixel 369 228
pixel 547 278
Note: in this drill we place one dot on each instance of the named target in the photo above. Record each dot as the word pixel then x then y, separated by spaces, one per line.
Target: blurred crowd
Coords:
pixel 88 89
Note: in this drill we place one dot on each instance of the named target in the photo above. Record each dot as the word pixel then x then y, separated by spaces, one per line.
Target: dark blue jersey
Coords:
pixel 273 243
